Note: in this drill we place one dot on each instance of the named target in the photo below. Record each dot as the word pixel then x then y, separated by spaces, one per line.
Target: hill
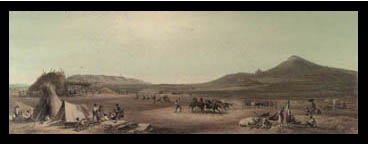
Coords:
pixel 298 70
pixel 301 69
pixel 232 80
pixel 295 75
pixel 105 80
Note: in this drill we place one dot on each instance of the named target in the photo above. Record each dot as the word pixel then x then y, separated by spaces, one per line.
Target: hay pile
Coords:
pixel 55 78
pixel 106 90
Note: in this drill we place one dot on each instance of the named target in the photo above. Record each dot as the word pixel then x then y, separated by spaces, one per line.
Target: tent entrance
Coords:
pixel 69 112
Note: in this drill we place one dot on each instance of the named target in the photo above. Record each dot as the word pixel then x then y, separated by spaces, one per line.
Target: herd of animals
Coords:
pixel 204 105
pixel 200 104
pixel 214 105
pixel 154 98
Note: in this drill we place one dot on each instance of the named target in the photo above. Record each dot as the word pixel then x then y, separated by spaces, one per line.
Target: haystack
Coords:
pixel 55 78
pixel 106 90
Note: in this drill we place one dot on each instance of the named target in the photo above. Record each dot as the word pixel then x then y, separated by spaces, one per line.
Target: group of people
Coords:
pixel 19 115
pixel 285 117
pixel 98 114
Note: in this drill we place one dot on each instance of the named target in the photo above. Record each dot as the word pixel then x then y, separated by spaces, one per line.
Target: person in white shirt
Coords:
pixel 105 118
pixel 111 115
pixel 17 111
pixel 27 115
pixel 178 106
pixel 47 118
pixel 94 112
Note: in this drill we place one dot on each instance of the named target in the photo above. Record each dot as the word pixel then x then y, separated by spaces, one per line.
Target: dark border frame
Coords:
pixel 361 7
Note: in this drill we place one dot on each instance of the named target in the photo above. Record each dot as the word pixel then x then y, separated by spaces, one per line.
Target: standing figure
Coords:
pixel 16 111
pixel 94 112
pixel 119 112
pixel 313 105
pixel 288 113
pixel 178 106
pixel 100 113
pixel 281 117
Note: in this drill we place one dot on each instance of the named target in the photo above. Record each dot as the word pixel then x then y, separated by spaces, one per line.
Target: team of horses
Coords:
pixel 155 98
pixel 213 105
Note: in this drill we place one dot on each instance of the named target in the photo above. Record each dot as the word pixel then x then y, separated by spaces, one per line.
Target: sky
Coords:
pixel 176 47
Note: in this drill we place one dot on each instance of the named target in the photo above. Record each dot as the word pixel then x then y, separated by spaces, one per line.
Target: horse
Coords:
pixel 227 105
pixel 194 104
pixel 159 100
pixel 214 105
pixel 166 99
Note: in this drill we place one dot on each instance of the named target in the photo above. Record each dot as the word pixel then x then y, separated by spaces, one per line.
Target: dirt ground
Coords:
pixel 162 117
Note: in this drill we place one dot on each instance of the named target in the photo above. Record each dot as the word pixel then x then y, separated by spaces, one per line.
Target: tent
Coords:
pixel 70 112
pixel 49 103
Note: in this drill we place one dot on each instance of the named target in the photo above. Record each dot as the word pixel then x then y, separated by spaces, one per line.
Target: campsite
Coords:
pixel 154 106
pixel 184 72
pixel 163 118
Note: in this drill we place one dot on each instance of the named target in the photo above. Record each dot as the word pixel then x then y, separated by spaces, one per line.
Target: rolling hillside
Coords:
pixel 293 75
pixel 105 80
pixel 232 80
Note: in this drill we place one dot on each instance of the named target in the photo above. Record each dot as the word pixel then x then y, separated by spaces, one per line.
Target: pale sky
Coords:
pixel 176 47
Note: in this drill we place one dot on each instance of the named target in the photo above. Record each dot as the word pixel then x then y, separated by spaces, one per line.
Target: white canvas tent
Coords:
pixel 70 112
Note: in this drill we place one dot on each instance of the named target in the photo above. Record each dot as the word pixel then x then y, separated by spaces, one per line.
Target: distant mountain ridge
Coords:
pixel 294 71
pixel 297 67
pixel 103 79
pixel 232 80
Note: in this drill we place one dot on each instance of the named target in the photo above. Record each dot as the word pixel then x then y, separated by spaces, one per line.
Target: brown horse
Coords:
pixel 198 104
pixel 214 105
pixel 227 105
